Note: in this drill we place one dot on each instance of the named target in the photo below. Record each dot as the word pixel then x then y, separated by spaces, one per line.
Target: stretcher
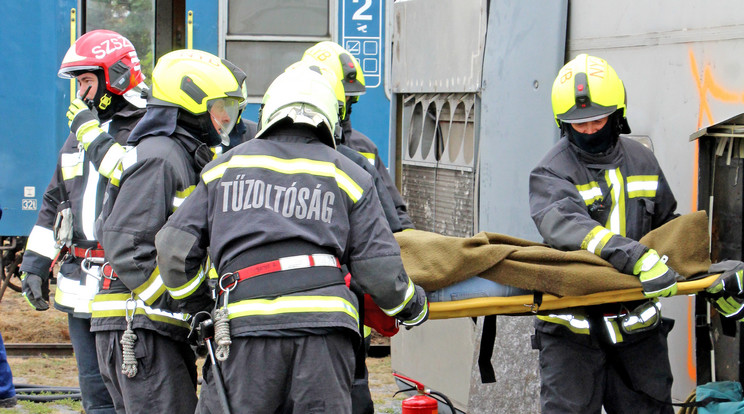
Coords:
pixel 565 278
pixel 526 304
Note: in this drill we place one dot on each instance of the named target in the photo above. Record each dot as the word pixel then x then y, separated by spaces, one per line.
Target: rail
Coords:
pixel 37 350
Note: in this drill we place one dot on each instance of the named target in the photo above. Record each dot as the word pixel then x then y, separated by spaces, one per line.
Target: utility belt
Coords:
pixel 94 264
pixel 278 269
pixel 86 252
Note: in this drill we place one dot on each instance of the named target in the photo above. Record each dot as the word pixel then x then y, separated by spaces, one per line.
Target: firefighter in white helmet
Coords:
pixel 598 191
pixel 349 71
pixel 140 329
pixel 280 215
pixel 113 80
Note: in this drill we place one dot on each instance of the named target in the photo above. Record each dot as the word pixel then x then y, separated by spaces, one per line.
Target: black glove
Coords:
pixel 32 291
pixel 421 304
pixel 727 292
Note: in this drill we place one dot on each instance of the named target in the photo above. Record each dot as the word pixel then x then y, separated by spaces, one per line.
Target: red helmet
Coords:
pixel 106 50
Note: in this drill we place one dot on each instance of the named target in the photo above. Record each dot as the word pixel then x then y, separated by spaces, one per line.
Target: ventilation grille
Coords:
pixel 438 174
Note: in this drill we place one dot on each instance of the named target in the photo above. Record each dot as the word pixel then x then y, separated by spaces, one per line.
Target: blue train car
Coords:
pixel 36 35
pixel 261 37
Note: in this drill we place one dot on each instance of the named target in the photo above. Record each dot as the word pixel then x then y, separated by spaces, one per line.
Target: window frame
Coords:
pixel 223 37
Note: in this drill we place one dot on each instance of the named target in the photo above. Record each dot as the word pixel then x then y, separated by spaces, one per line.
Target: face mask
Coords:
pixel 597 142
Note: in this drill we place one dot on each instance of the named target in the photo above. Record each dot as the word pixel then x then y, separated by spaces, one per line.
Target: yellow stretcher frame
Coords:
pixel 512 305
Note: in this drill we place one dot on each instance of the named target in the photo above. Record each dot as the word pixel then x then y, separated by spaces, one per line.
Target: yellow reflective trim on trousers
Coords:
pixel 616 220
pixel 114 305
pixel 589 192
pixel 292 304
pixel 575 325
pixel 596 240
pixel 152 289
pixel 288 166
pixel 642 185
pixel 189 287
pixel 111 160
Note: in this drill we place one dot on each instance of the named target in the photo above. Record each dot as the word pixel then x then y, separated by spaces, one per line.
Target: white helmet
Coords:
pixel 301 96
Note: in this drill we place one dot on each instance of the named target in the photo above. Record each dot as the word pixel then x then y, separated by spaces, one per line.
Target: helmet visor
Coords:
pixel 224 113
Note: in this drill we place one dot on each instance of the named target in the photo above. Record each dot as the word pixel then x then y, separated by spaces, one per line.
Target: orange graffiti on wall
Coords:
pixel 706 86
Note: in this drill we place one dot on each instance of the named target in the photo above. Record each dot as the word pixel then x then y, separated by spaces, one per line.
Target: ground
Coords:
pixel 19 323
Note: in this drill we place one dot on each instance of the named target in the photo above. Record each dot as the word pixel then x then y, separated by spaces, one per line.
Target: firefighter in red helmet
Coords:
pixel 109 77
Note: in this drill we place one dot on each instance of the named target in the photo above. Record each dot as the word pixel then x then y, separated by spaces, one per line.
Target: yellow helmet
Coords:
pixel 301 96
pixel 335 82
pixel 342 63
pixel 587 89
pixel 200 83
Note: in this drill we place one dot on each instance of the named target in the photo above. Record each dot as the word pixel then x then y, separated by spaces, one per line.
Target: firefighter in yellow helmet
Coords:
pixel 349 71
pixel 598 191
pixel 140 328
pixel 280 215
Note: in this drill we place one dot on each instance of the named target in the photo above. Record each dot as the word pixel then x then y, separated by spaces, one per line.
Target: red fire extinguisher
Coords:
pixel 422 402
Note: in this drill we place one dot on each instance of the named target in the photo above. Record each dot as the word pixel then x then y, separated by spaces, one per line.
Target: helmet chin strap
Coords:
pixel 105 102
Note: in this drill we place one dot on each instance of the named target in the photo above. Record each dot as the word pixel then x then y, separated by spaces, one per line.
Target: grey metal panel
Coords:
pixel 427 58
pixel 524 51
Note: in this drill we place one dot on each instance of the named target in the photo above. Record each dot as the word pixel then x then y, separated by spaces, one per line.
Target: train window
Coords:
pixel 133 19
pixel 278 17
pixel 264 37
pixel 263 61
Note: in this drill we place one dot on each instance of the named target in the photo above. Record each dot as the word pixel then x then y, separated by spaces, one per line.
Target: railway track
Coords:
pixel 36 350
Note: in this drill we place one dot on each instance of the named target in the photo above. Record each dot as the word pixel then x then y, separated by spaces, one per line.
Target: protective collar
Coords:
pixel 159 120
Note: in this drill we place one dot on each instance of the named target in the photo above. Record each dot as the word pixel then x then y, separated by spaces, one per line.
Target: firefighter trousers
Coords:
pixel 166 373
pixel 298 374
pixel 581 377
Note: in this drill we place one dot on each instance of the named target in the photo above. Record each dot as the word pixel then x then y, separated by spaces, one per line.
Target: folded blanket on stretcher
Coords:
pixel 434 261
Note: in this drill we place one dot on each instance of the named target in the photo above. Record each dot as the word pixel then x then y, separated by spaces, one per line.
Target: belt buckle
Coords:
pixel 109 276
pixel 228 281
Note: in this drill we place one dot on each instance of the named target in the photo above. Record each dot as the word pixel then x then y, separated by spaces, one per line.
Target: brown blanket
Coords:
pixel 434 261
